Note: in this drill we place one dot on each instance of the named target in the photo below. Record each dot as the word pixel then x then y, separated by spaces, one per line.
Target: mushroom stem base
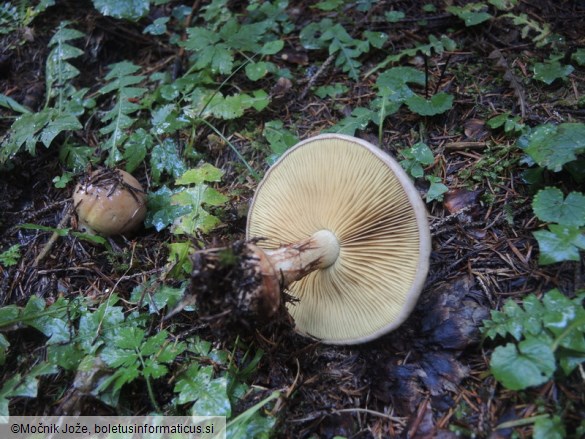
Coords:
pixel 294 261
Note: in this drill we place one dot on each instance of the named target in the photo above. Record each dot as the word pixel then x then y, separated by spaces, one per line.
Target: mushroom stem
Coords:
pixel 294 261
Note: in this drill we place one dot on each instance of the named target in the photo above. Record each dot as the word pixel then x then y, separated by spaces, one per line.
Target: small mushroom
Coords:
pixel 110 202
pixel 343 228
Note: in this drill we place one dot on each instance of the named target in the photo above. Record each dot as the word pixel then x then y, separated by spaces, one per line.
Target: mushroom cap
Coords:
pixel 359 193
pixel 110 202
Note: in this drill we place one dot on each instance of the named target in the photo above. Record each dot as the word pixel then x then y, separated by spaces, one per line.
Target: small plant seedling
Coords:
pixel 10 256
pixel 548 334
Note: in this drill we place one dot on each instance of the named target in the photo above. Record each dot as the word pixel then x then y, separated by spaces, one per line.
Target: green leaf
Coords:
pixel 438 104
pixel 23 386
pixel 560 243
pixel 210 395
pixel 136 149
pixel 394 16
pixel 549 71
pixel 530 364
pixel 179 257
pixel 565 318
pixel 422 154
pixel 579 56
pixel 471 13
pixel 331 91
pixel 376 39
pixel 11 104
pixel 165 158
pixel 161 212
pixel 358 120
pixel 158 26
pixel 256 70
pixel 549 206
pixel 205 172
pixel 120 117
pixel 328 5
pixel 436 189
pixel 156 296
pixel 10 257
pixel 258 101
pixel 279 138
pixel 272 47
pixel 197 217
pixel 4 345
pixel 127 9
pixel 552 146
pixel 549 428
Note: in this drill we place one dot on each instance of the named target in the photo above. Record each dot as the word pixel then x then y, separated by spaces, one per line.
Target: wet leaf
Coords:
pixel 552 146
pixel 438 104
pixel 549 428
pixel 165 158
pixel 549 205
pixel 559 243
pixel 127 9
pixel 531 363
pixel 472 13
pixel 549 71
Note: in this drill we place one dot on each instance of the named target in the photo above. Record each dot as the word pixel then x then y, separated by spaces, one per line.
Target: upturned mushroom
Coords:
pixel 110 202
pixel 339 225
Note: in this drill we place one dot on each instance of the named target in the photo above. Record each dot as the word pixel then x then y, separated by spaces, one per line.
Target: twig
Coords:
pixel 47 248
pixel 314 78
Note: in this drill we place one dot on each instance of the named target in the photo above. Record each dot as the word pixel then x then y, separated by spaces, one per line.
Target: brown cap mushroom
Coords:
pixel 110 202
pixel 360 235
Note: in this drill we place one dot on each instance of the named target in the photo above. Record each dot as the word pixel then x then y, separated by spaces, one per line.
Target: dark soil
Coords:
pixel 430 378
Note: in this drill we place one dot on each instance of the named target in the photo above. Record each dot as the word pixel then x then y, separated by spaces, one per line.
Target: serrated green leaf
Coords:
pixel 158 26
pixel 438 104
pixel 471 13
pixel 376 39
pixel 56 126
pixel 549 71
pixel 259 100
pixel 205 172
pixel 129 338
pixel 128 9
pixel 136 149
pixel 10 257
pixel 331 91
pixel 552 146
pixel 549 205
pixel 436 189
pixel 179 258
pixel 394 16
pixel 422 153
pixel 328 5
pixel 530 364
pixel 579 56
pixel 213 399
pixel 549 428
pixel 166 120
pixel 279 138
pixel 153 344
pixel 358 120
pixel 161 212
pixel 197 218
pixel 165 157
pixel 156 296
pixel 560 243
